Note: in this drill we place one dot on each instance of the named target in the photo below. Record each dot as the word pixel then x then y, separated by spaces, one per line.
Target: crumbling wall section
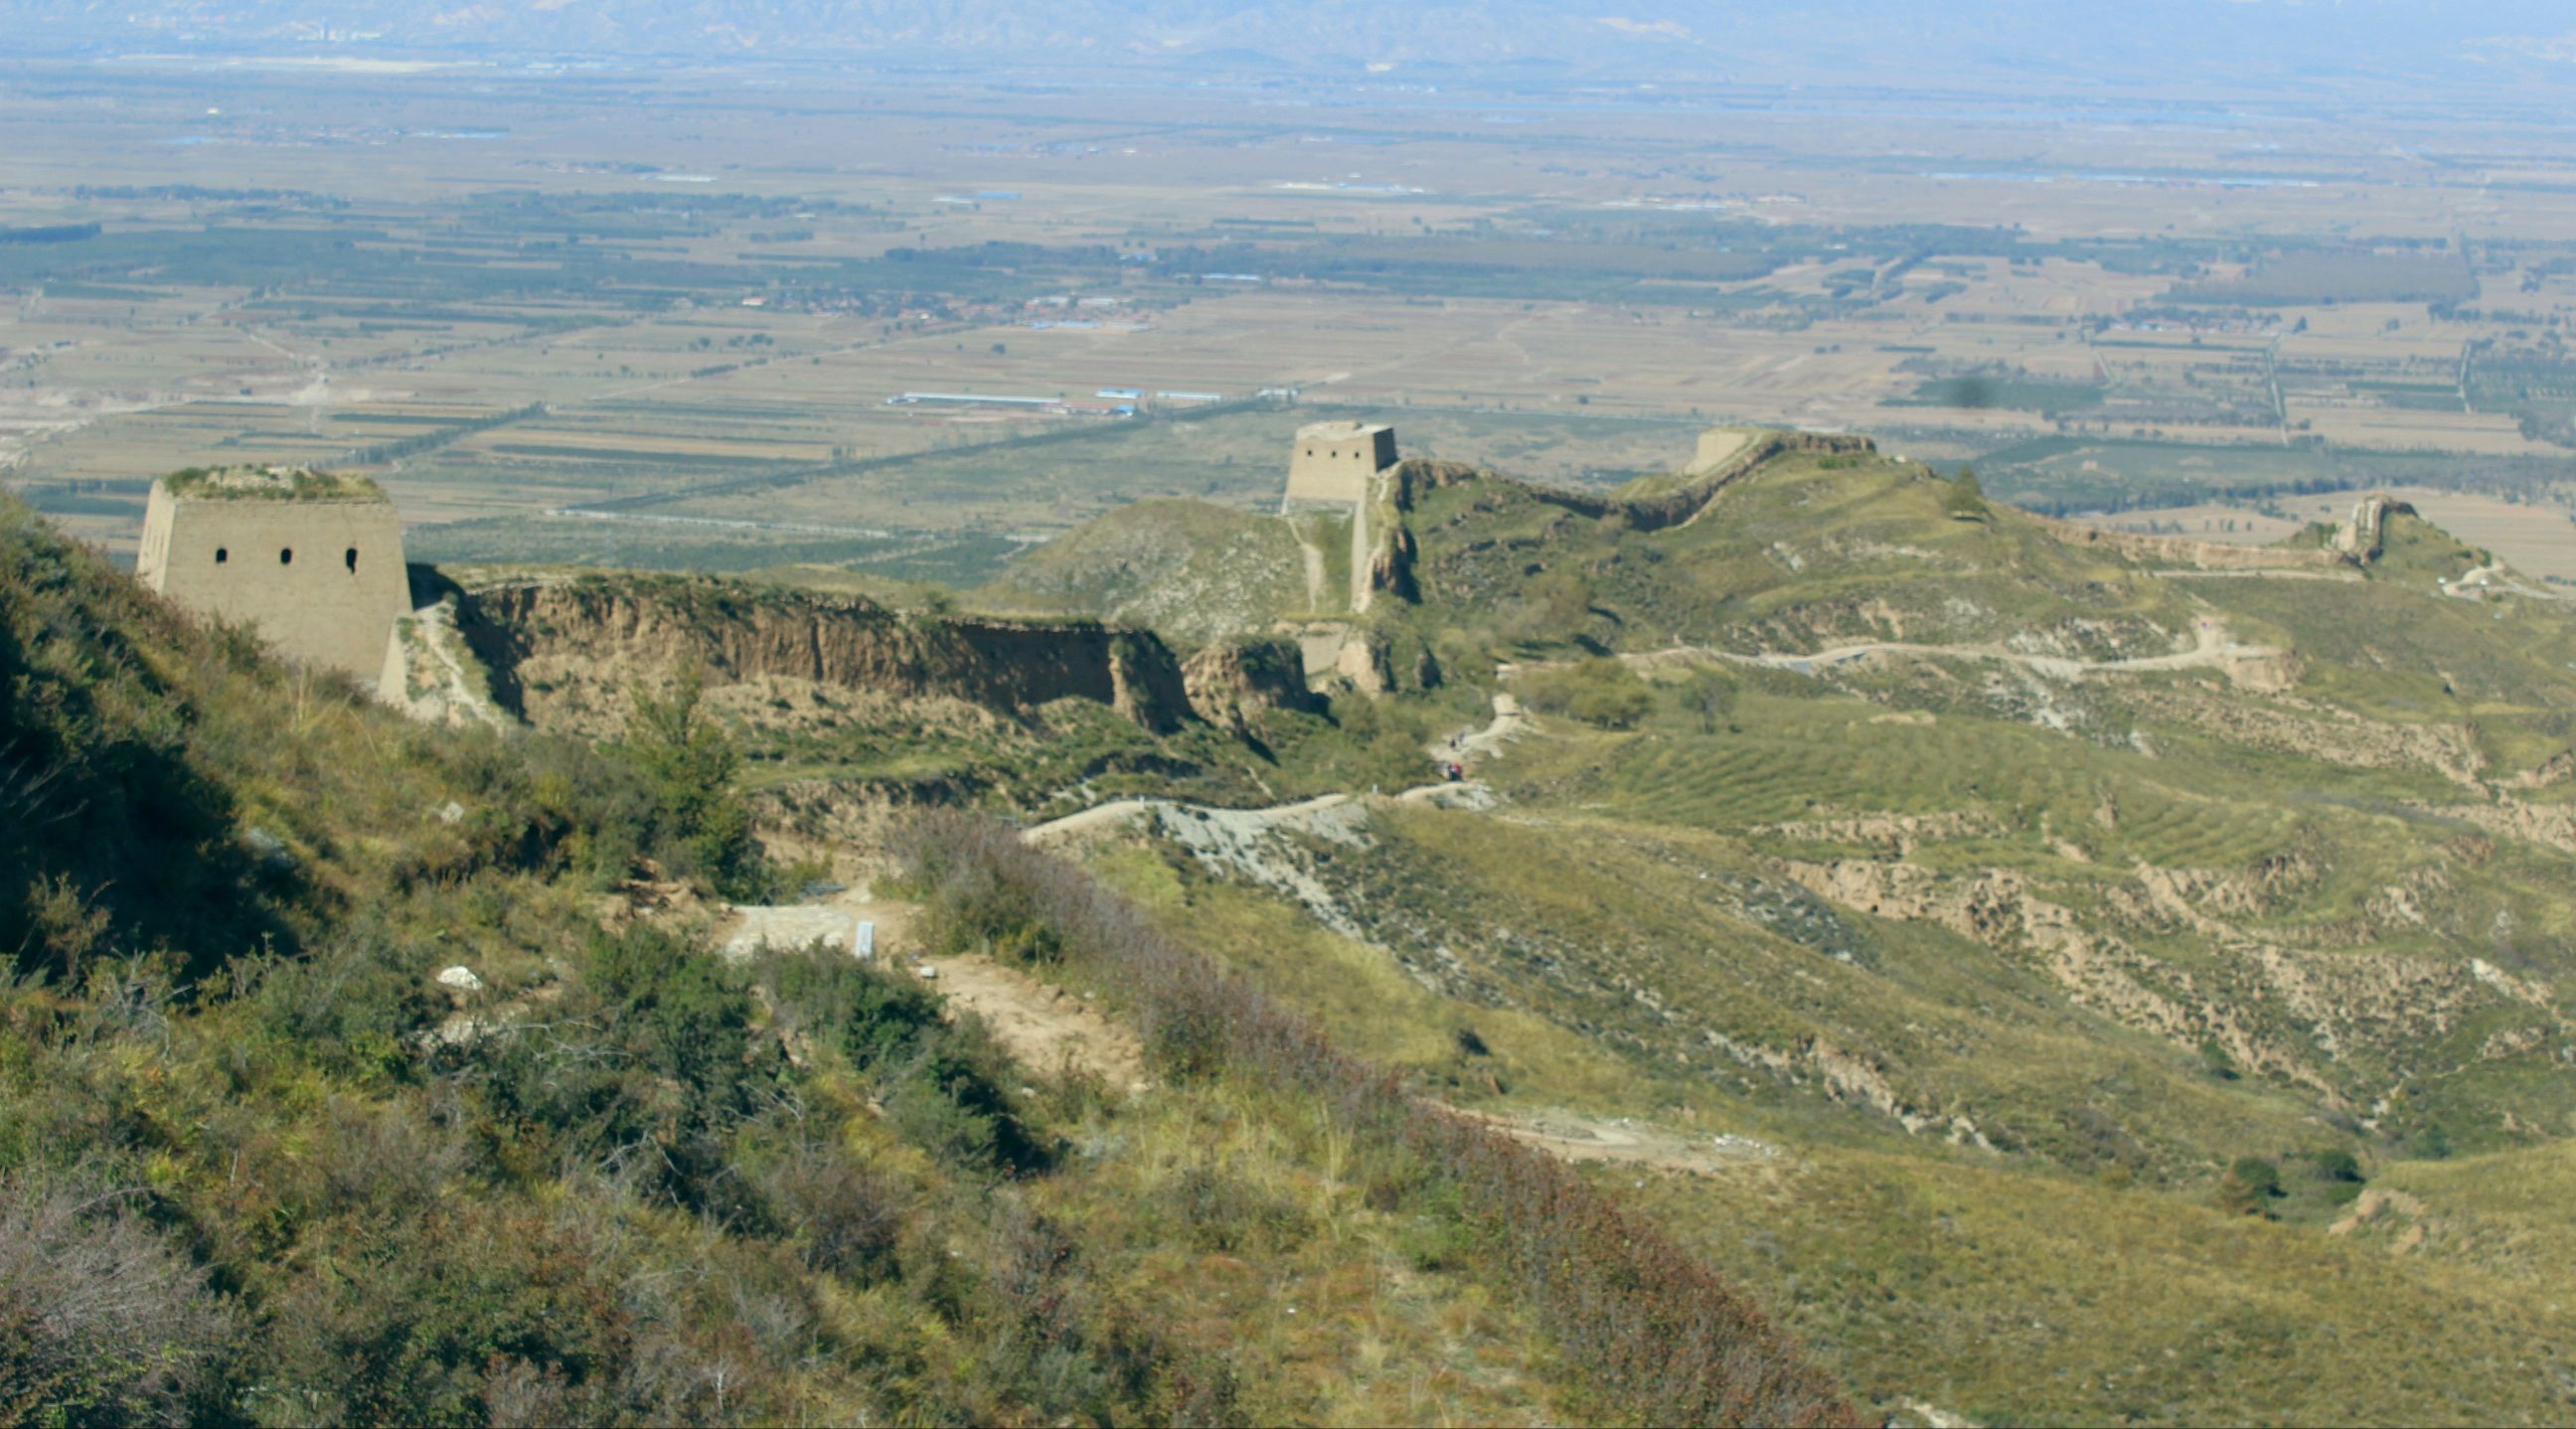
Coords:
pixel 2179 551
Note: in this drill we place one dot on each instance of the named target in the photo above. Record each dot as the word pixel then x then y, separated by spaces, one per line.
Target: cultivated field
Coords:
pixel 507 300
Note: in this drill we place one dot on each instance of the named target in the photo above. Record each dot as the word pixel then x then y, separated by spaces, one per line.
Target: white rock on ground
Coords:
pixel 792 926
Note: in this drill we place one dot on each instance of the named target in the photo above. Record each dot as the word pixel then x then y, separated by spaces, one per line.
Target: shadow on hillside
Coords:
pixel 115 841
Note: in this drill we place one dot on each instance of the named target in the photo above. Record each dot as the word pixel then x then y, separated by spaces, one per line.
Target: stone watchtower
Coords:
pixel 1333 461
pixel 313 560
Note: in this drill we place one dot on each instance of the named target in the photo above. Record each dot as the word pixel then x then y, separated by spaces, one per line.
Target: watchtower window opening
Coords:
pixel 352 559
pixel 286 555
pixel 223 554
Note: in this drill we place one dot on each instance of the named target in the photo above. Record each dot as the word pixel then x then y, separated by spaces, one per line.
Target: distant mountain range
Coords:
pixel 2169 43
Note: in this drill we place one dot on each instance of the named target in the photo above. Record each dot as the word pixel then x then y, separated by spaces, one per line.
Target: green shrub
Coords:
pixel 1601 691
pixel 1707 697
pixel 421 1309
pixel 644 1069
pixel 355 995
pixel 943 1084
pixel 843 1218
pixel 1965 498
pixel 1221 1213
pixel 1555 610
pixel 2249 1186
pixel 688 764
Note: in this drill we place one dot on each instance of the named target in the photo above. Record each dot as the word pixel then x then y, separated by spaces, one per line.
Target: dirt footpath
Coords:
pixel 1472 744
pixel 2257 667
pixel 1047 1029
pixel 1044 1028
pixel 1579 1139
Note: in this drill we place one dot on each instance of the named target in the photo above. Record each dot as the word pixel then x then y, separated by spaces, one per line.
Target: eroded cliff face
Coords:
pixel 564 654
pixel 1234 684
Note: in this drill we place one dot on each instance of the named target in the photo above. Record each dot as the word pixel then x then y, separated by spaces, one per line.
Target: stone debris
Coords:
pixel 271 850
pixel 461 978
pixel 795 926
pixel 1572 1137
pixel 1933 1416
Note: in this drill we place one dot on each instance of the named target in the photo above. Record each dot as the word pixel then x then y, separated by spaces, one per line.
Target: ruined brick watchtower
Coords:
pixel 312 559
pixel 1333 461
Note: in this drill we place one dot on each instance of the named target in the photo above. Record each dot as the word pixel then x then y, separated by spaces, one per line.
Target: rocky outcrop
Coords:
pixel 1379 662
pixel 2556 769
pixel 2366 533
pixel 1390 567
pixel 1233 685
pixel 1366 662
pixel 617 631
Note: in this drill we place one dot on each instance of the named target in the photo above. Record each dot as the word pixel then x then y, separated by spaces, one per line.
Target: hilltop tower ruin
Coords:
pixel 1333 461
pixel 313 560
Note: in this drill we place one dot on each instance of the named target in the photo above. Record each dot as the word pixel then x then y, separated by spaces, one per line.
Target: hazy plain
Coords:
pixel 646 296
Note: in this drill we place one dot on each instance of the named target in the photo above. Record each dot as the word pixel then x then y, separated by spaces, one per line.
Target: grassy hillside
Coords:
pixel 260 1161
pixel 1192 570
pixel 2042 1281
pixel 2111 947
pixel 2058 978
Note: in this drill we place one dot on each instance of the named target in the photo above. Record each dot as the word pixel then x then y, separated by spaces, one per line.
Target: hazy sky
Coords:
pixel 2516 45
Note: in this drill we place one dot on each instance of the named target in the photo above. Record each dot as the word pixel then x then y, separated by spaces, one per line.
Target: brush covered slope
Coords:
pixel 2069 977
pixel 327 1096
pixel 1189 569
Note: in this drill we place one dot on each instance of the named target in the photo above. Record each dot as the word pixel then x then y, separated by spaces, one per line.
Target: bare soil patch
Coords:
pixel 1619 1139
pixel 1045 1028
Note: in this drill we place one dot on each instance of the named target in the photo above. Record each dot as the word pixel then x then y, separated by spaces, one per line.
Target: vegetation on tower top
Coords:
pixel 269 483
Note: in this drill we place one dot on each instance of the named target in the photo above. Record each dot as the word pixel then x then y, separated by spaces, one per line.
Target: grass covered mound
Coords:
pixel 1192 570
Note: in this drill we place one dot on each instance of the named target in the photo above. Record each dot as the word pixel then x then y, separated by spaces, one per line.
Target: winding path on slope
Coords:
pixel 1467 747
pixel 2212 648
pixel 2477 582
pixel 1046 1028
pixel 1043 1026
